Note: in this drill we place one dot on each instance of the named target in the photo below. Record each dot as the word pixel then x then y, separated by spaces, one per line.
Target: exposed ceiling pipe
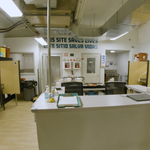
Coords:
pixel 48 42
pixel 25 14
pixel 36 33
pixel 2 30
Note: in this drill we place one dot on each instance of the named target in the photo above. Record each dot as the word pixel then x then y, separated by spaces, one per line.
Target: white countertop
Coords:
pixel 89 102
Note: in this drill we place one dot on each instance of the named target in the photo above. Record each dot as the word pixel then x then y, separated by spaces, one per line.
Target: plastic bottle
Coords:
pixel 72 74
pixel 52 92
pixel 47 92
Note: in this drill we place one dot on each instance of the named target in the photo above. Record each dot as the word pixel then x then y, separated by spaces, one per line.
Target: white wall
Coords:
pixel 25 45
pixel 1 39
pixel 122 63
pixel 111 57
pixel 127 42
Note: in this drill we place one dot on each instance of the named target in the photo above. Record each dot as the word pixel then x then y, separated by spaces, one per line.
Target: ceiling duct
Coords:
pixel 121 22
pixel 118 24
pixel 42 3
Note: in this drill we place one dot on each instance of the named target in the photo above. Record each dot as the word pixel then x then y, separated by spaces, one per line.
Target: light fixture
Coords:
pixel 112 51
pixel 79 11
pixel 119 36
pixel 41 40
pixel 10 8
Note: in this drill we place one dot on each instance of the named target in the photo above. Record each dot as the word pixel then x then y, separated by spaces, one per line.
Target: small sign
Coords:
pixel 71 54
pixel 65 54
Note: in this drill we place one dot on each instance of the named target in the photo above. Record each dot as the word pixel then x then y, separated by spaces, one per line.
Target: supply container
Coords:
pixel 28 89
pixel 46 92
pixel 2 52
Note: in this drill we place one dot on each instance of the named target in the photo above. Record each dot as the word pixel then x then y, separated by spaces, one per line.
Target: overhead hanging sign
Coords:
pixel 71 43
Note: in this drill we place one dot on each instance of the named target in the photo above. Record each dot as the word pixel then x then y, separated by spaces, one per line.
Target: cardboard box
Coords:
pixel 142 56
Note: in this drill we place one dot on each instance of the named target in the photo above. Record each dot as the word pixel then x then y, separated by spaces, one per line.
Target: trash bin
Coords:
pixel 29 89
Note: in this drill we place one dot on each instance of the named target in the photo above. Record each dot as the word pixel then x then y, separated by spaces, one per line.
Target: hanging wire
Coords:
pixel 2 30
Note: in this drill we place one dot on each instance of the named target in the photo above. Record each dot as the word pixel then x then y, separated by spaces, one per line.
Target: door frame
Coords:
pixel 99 63
pixel 61 67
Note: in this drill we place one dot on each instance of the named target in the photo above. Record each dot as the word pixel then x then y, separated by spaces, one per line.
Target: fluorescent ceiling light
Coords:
pixel 119 36
pixel 79 11
pixel 41 41
pixel 10 8
pixel 112 51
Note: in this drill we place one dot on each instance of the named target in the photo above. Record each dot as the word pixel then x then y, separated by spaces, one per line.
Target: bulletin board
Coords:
pixel 135 70
pixel 10 76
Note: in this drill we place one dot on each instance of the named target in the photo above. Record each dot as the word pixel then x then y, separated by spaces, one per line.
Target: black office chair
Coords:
pixel 73 87
pixel 115 88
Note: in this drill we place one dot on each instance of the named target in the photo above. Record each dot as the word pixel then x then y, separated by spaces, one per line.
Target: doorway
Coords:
pixel 91 68
pixel 55 70
pixel 116 64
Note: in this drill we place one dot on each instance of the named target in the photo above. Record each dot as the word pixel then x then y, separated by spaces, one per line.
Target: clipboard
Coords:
pixel 68 100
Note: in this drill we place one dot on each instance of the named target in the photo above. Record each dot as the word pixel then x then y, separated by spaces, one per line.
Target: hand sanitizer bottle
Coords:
pixel 47 92
pixel 52 92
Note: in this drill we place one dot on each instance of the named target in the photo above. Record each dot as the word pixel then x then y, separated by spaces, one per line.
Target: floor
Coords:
pixel 17 127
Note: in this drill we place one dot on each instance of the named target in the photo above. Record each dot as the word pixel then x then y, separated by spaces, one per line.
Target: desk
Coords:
pixel 137 88
pixel 103 122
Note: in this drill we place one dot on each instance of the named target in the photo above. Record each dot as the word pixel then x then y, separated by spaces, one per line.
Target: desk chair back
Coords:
pixel 73 87
pixel 115 88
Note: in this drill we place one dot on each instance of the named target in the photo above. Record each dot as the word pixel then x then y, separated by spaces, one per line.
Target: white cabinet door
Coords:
pixel 91 68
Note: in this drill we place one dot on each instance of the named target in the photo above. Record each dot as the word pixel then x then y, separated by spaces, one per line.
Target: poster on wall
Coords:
pixel 103 60
pixel 107 63
pixel 111 63
pixel 65 54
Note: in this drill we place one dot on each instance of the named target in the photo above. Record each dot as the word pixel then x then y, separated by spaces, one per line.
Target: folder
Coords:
pixel 140 97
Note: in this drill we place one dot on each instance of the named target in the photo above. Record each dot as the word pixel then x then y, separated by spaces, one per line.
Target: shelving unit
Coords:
pixel 5 59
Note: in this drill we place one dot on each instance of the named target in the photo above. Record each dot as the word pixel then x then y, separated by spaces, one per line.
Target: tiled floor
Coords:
pixel 17 127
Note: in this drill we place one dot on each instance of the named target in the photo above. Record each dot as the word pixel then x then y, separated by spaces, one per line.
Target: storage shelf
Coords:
pixel 76 65
pixel 67 65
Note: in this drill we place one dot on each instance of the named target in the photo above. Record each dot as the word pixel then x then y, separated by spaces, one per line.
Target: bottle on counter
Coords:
pixel 72 76
pixel 52 92
pixel 47 92
pixel 51 100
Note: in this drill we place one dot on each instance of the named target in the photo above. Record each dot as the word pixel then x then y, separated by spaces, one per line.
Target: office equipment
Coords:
pixel 140 97
pixel 115 88
pixel 73 87
pixel 68 100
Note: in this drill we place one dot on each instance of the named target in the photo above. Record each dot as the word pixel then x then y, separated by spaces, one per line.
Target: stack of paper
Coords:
pixel 68 101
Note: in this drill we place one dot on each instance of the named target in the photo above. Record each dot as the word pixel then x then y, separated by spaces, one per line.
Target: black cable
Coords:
pixel 11 27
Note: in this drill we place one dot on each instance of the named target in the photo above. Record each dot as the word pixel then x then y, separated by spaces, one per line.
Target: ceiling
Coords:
pixel 78 18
